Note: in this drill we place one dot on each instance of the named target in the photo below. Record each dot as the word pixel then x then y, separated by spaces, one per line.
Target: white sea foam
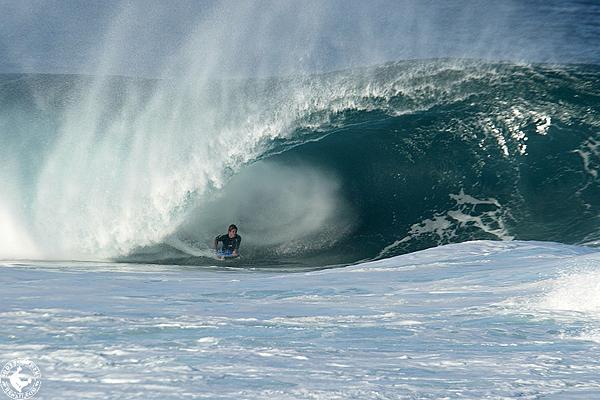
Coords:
pixel 435 321
pixel 443 227
pixel 575 291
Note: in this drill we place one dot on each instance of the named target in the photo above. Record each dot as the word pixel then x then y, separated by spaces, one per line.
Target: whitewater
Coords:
pixel 475 320
pixel 416 184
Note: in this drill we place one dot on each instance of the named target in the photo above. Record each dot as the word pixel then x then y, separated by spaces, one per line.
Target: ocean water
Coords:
pixel 482 319
pixel 391 219
pixel 422 223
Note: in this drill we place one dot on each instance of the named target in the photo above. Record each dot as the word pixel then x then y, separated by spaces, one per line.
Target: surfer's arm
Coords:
pixel 237 246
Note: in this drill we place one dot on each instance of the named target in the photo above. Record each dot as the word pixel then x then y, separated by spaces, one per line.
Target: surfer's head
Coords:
pixel 232 231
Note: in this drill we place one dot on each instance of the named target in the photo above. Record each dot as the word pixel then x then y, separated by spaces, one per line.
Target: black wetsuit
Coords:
pixel 229 244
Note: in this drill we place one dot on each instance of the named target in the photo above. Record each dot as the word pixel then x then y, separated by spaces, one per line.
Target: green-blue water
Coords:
pixel 380 161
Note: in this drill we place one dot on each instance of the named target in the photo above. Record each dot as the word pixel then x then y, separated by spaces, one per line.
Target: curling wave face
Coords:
pixel 321 169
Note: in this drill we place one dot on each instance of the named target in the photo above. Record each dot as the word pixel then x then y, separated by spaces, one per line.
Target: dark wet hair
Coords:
pixel 232 227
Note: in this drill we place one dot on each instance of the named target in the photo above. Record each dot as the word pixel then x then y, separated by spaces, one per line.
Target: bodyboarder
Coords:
pixel 230 243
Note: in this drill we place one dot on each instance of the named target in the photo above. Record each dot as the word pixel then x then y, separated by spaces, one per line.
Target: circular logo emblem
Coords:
pixel 20 379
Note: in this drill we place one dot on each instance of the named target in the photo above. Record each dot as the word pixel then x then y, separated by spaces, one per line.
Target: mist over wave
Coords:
pixel 336 167
pixel 193 40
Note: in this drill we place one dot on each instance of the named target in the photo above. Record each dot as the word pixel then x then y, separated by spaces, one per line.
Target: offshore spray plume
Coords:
pixel 124 169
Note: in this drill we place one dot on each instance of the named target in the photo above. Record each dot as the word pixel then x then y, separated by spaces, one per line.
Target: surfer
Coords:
pixel 231 242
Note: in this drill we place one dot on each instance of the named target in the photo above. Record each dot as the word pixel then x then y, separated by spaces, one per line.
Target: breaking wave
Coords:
pixel 320 169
